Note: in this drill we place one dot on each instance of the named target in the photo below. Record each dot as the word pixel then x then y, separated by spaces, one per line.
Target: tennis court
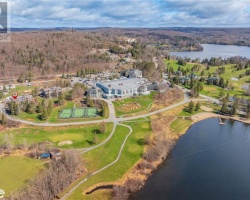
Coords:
pixel 65 113
pixel 91 112
pixel 78 113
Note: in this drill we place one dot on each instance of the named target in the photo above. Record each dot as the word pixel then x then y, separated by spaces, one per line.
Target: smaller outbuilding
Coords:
pixel 45 156
pixel 94 92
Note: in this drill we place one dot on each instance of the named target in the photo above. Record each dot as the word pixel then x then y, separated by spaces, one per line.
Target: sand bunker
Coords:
pixel 65 142
pixel 234 79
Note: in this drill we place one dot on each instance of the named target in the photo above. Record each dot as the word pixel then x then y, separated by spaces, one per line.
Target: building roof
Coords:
pixel 94 90
pixel 122 84
pixel 52 89
pixel 135 73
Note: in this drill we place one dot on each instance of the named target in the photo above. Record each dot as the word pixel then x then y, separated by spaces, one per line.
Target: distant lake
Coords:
pixel 212 50
pixel 209 162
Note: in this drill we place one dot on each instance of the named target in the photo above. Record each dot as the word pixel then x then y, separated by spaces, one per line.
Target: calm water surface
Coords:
pixel 212 50
pixel 210 161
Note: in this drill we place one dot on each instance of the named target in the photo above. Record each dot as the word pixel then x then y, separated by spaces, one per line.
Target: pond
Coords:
pixel 212 50
pixel 210 161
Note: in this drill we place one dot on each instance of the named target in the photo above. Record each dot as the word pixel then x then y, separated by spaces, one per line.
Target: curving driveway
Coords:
pixel 103 168
pixel 112 117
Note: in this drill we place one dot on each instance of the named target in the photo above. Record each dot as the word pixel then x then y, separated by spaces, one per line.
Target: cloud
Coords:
pixel 129 13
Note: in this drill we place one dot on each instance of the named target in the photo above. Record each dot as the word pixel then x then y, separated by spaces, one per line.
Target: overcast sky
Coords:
pixel 130 13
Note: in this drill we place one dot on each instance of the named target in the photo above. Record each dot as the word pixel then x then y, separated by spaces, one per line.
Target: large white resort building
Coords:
pixel 123 88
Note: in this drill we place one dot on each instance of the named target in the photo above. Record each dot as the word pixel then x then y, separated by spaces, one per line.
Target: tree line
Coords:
pixel 59 174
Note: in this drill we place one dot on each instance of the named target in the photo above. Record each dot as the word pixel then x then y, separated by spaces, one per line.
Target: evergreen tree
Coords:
pixel 227 97
pixel 197 106
pixel 235 106
pixel 12 108
pixel 39 108
pixel 227 84
pixel 222 93
pixel 233 110
pixel 44 114
pixel 221 82
pixel 50 107
pixel 3 119
pixel 94 140
pixel 191 107
pixel 61 99
pixel 1 94
pixel 88 100
pixel 224 108
pixel 103 127
pixel 35 92
pixel 16 109
pixel 172 83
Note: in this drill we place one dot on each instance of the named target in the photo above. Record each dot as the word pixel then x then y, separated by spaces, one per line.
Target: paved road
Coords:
pixel 84 150
pixel 112 117
pixel 103 168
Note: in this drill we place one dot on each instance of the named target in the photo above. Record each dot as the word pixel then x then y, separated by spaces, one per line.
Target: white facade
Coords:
pixel 123 88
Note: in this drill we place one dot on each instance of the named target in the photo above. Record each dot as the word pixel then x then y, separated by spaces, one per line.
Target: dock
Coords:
pixel 221 122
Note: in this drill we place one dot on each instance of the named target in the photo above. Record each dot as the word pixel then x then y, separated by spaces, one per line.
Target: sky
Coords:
pixel 129 13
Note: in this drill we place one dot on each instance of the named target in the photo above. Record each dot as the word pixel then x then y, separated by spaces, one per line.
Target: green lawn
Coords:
pixel 230 72
pixel 144 101
pixel 20 89
pixel 179 125
pixel 53 118
pixel 212 90
pixel 174 64
pixel 15 171
pixel 81 135
pixel 100 157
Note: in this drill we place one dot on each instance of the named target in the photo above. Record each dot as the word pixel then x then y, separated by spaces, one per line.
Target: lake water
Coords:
pixel 212 50
pixel 209 162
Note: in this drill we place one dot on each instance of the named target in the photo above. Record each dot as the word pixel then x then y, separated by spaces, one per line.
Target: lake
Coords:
pixel 209 162
pixel 212 50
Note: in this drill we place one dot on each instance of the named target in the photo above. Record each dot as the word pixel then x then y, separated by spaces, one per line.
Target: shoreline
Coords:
pixel 135 173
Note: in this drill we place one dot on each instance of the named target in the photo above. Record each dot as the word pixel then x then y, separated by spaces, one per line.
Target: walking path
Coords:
pixel 111 118
pixel 84 150
pixel 103 168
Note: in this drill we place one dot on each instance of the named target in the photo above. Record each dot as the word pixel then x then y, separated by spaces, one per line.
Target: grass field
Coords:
pixel 144 101
pixel 212 90
pixel 21 89
pixel 179 125
pixel 53 118
pixel 81 136
pixel 99 157
pixel 15 171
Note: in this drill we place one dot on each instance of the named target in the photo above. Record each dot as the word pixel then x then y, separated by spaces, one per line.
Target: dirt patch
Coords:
pixel 65 142
pixel 171 96
pixel 130 106
pixel 207 109
pixel 2 128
